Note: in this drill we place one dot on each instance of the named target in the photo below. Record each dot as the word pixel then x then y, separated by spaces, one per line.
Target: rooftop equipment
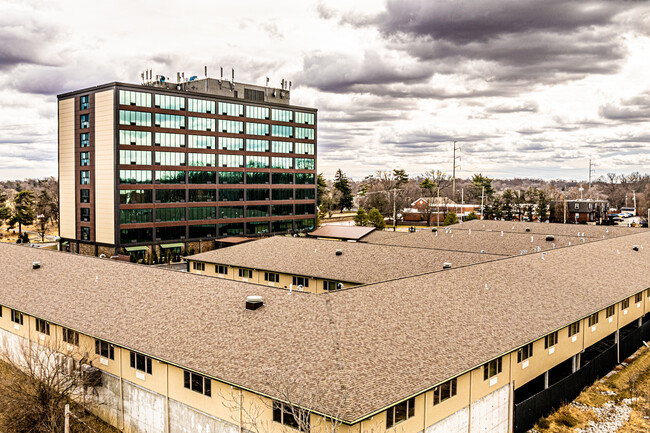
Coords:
pixel 254 302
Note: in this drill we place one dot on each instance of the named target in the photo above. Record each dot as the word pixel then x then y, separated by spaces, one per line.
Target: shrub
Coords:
pixel 450 218
pixel 471 216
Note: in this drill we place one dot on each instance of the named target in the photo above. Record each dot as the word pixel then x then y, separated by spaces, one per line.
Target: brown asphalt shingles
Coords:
pixel 590 231
pixel 394 338
pixel 358 263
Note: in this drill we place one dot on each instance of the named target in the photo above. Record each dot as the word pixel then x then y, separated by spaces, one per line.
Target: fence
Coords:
pixel 530 410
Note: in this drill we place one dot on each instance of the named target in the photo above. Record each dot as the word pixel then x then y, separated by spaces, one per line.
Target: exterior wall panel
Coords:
pixel 105 167
pixel 67 185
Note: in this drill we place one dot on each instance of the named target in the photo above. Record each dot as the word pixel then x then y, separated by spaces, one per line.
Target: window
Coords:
pixel 203 231
pixel 444 392
pixel 231 160
pixel 135 216
pixel 256 177
pixel 168 139
pixel 253 95
pixel 200 195
pixel 71 337
pixel 231 143
pixel 492 368
pixel 305 133
pixel 170 177
pixel 278 162
pixel 167 102
pixel 198 266
pixel 257 161
pixel 138 99
pixel 85 214
pixel 331 285
pixel 135 196
pixel 306 224
pixel 286 415
pixel 231 177
pixel 85 177
pixel 257 194
pixel 130 236
pixel 135 157
pixel 550 340
pixel 282 178
pixel 593 319
pixel 305 164
pixel 257 112
pixel 282 194
pixel 525 352
pixel 135 138
pixel 42 326
pixel 200 124
pixel 201 177
pixel 171 233
pixel 245 273
pixel 271 277
pixel 197 383
pixel 625 304
pixel 230 109
pixel 257 211
pixel 253 145
pixel 282 115
pixel 231 126
pixel 85 196
pixel 84 121
pixel 201 160
pixel 85 233
pixel 305 194
pixel 17 317
pixel 200 106
pixel 231 229
pixel 282 146
pixel 304 148
pixel 172 121
pixel 201 142
pixel 304 178
pixel 84 102
pixel 231 212
pixel 170 158
pixel 638 298
pixel 84 139
pixel 305 209
pixel 221 269
pixel 257 128
pixel 202 213
pixel 140 362
pixel 231 195
pixel 170 214
pixel 610 311
pixel 574 328
pixel 104 349
pixel 400 412
pixel 305 118
pixel 282 209
pixel 301 281
pixel 281 131
pixel 135 118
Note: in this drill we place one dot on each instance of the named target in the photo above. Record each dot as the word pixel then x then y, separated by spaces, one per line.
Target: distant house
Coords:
pixel 580 211
pixel 435 208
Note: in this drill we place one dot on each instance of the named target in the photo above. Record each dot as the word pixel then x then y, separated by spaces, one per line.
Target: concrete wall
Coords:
pixel 67 185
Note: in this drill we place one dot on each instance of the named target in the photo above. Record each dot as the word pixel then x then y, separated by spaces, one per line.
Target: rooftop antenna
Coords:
pixel 289 85
pixel 233 75
pixel 205 68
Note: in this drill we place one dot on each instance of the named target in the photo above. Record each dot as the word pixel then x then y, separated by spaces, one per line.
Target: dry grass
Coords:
pixel 632 381
pixel 11 236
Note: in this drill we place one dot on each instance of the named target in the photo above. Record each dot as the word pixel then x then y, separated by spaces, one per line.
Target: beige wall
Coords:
pixel 104 167
pixel 67 217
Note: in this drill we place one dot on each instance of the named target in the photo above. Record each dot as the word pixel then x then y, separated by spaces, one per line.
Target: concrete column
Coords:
pixel 546 379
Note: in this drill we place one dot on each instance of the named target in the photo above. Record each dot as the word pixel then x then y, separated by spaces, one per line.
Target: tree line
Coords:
pixel 31 202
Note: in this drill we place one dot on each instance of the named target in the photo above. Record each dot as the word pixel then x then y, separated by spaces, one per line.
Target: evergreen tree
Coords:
pixel 471 216
pixel 376 219
pixel 542 206
pixel 23 212
pixel 5 211
pixel 361 218
pixel 321 187
pixel 342 183
pixel 450 218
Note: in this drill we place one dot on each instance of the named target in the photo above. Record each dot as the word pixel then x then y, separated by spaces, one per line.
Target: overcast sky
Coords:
pixel 529 88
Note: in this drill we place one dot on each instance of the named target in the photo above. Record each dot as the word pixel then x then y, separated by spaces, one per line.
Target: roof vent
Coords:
pixel 446 265
pixel 254 302
pixel 435 229
pixel 482 251
pixel 550 238
pixel 635 248
pixel 339 252
pixel 527 229
pixel 36 265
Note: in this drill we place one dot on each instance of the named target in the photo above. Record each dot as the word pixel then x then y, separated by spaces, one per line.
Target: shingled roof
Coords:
pixel 374 344
pixel 590 231
pixel 358 262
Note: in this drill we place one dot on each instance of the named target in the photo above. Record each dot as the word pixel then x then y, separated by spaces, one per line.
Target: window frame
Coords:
pixel 104 349
pixel 550 340
pixel 574 328
pixel 136 358
pixel 190 379
pixel 524 352
pixel 492 368
pixel 391 413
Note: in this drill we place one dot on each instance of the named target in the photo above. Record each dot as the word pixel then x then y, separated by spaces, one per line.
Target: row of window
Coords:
pixel 138 216
pixel 168 139
pixel 130 236
pixel 167 102
pixel 178 177
pixel 145 196
pixel 209 195
pixel 139 157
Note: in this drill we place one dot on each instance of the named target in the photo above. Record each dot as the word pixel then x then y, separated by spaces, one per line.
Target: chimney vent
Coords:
pixel 635 248
pixel 339 252
pixel 550 238
pixel 36 265
pixel 446 265
pixel 527 229
pixel 254 302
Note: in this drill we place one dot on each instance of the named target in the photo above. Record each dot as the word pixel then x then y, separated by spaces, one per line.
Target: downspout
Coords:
pixel 167 427
pixel 121 390
pixel 241 401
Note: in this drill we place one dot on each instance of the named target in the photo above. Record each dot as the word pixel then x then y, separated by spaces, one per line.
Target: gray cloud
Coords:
pixel 514 107
pixel 635 109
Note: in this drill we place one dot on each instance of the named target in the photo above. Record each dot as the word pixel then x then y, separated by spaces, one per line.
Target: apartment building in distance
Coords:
pixel 162 165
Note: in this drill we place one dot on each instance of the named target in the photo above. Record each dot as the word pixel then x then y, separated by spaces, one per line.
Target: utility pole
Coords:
pixel 482 195
pixel 453 181
pixel 66 421
pixel 589 176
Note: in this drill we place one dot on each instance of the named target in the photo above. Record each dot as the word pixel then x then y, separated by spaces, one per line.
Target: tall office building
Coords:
pixel 168 166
